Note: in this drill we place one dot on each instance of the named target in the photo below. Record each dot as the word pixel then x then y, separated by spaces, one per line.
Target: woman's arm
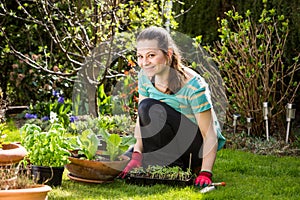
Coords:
pixel 210 141
pixel 137 132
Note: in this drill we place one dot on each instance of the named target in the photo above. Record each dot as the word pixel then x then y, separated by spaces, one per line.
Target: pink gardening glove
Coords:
pixel 136 161
pixel 204 179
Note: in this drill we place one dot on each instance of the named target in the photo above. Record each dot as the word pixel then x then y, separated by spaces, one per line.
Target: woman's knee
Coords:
pixel 144 109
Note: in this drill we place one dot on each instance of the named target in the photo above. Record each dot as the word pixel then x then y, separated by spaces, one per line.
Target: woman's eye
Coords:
pixel 151 55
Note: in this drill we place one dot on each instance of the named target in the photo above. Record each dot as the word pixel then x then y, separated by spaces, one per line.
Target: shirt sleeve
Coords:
pixel 142 89
pixel 200 98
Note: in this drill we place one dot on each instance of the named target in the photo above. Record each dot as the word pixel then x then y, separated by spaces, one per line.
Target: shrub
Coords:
pixel 251 58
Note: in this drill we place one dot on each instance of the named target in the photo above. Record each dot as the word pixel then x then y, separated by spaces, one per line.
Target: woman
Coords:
pixel 175 124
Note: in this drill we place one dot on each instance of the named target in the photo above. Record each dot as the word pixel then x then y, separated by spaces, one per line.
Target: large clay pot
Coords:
pixel 36 192
pixel 11 153
pixel 101 171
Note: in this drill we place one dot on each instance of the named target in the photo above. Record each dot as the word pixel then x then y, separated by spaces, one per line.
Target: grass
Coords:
pixel 248 176
pixel 11 131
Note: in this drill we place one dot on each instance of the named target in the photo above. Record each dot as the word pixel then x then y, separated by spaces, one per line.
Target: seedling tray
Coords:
pixel 143 181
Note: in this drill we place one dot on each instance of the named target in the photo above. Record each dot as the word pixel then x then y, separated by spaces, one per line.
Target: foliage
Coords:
pixel 57 110
pixel 21 176
pixel 2 135
pixel 87 143
pixel 205 12
pixel 125 93
pixel 53 41
pixel 49 148
pixel 256 145
pixel 208 11
pixel 104 101
pixel 28 85
pixel 2 107
pixel 115 144
pixel 251 59
pixel 120 124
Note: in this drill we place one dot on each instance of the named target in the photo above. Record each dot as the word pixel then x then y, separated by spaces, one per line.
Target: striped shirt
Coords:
pixel 192 98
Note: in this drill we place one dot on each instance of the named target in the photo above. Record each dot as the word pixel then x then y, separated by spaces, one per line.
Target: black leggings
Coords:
pixel 169 138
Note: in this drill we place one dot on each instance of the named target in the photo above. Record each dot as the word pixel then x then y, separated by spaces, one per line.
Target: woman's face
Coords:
pixel 150 58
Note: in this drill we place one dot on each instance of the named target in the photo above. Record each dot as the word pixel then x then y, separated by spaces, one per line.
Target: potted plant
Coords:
pixel 23 187
pixel 13 184
pixel 89 164
pixel 10 153
pixel 48 152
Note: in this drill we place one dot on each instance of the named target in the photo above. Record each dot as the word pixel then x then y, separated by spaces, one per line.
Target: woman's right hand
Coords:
pixel 136 161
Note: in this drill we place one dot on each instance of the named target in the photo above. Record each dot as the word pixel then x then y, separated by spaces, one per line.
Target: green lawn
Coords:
pixel 247 176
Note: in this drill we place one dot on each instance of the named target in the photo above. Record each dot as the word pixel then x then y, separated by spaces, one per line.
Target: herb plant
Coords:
pixel 49 148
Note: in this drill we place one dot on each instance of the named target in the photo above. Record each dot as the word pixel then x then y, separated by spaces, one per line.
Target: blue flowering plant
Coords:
pixel 56 110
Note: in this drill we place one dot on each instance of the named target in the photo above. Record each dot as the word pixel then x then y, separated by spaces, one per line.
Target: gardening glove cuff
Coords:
pixel 136 161
pixel 204 179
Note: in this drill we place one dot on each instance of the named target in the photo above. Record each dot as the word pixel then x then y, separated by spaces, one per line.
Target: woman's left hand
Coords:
pixel 204 179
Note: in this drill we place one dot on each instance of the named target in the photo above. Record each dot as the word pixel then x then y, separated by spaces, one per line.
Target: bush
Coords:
pixel 251 58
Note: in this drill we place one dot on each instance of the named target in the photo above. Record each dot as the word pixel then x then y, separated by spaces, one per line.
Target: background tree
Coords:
pixel 44 44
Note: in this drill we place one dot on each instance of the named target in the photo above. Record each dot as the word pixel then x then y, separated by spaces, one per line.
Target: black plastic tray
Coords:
pixel 140 180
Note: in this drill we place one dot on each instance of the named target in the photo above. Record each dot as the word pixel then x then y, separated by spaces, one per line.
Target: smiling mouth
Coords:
pixel 152 67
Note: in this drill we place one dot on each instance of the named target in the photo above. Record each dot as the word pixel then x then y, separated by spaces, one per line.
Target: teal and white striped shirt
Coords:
pixel 192 98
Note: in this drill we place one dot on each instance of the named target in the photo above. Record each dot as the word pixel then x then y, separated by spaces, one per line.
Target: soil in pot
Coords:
pixel 47 175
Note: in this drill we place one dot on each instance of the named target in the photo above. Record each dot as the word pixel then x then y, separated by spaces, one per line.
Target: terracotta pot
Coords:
pixel 96 170
pixel 37 192
pixel 12 153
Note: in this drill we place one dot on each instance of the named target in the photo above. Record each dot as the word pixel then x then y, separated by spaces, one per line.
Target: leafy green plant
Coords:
pixel 87 144
pixel 251 58
pixel 115 144
pixel 49 148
